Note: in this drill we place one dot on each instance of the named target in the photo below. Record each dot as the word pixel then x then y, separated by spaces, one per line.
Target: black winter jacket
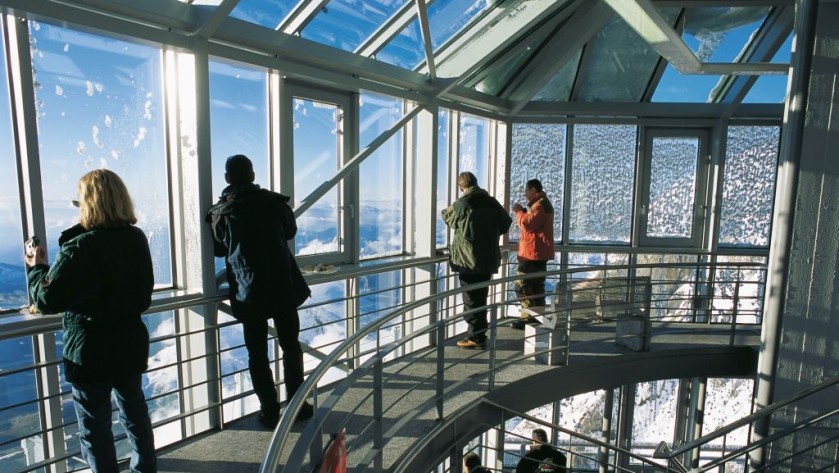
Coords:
pixel 102 279
pixel 251 227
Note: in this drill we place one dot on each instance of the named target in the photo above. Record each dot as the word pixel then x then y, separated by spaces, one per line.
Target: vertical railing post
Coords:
pixel 441 359
pixel 316 447
pixel 736 302
pixel 378 405
pixel 493 330
pixel 49 389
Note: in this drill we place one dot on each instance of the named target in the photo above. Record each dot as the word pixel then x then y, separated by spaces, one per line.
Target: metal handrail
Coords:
pixel 280 435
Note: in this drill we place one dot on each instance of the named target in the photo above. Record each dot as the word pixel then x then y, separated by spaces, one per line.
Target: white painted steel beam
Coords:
pixel 301 15
pixel 211 24
pixel 389 29
pixel 422 15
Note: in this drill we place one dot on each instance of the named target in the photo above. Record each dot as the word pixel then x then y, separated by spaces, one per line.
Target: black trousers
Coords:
pixel 531 290
pixel 472 299
pixel 255 328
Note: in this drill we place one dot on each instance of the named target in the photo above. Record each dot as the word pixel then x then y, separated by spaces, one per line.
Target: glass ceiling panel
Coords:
pixel 558 89
pixel 493 80
pixel 619 63
pixel 406 49
pixel 344 24
pixel 718 34
pixel 772 88
pixel 267 13
pixel 447 17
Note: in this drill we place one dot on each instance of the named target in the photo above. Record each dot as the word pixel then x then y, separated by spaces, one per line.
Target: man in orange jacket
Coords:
pixel 536 245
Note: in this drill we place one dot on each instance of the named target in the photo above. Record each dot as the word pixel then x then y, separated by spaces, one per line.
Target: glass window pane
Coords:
pixel 12 274
pixel 316 159
pixel 673 288
pixel 602 172
pixel 672 187
pixel 381 180
pixel 406 49
pixel 678 88
pixel 100 105
pixel 725 399
pixel 380 294
pixel 447 17
pixel 474 147
pixel 583 414
pixel 751 160
pixel 772 88
pixel 323 323
pixel 239 124
pixel 654 417
pixel 344 24
pixel 267 13
pixel 538 153
pixel 444 181
pixel 749 284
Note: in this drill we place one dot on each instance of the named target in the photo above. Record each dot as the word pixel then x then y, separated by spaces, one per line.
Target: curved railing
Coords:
pixel 712 306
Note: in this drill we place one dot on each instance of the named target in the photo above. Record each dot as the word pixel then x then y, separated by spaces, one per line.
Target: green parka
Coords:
pixel 102 281
pixel 477 220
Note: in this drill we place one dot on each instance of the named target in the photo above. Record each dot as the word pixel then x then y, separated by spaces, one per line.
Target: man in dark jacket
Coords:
pixel 251 227
pixel 542 457
pixel 477 220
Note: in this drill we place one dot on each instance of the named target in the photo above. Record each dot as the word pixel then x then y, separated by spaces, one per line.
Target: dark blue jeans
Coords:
pixel 255 330
pixel 93 409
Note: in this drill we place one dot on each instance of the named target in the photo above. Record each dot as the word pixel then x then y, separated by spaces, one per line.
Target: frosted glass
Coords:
pixel 672 187
pixel 751 160
pixel 538 152
pixel 603 176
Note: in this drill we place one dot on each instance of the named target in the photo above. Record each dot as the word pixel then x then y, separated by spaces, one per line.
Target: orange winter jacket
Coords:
pixel 537 230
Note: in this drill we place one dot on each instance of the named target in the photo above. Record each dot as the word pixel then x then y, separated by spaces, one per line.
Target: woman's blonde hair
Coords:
pixel 104 200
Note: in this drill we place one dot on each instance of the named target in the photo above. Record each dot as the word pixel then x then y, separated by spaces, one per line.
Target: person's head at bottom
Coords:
pixel 471 462
pixel 539 436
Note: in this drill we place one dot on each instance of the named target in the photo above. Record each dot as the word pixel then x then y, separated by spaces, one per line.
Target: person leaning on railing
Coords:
pixel 102 281
pixel 477 220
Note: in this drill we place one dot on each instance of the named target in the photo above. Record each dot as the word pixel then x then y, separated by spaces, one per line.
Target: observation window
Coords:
pixel 318 154
pixel 751 160
pixel 405 49
pixel 602 174
pixel 654 415
pixel 772 88
pixel 560 85
pixel 444 178
pixel 100 105
pixel 675 163
pixel 381 180
pixel 344 24
pixel 473 146
pixel 12 272
pixel 267 13
pixel 538 152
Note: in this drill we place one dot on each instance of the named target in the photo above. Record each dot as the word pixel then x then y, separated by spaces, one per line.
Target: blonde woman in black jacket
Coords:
pixel 102 281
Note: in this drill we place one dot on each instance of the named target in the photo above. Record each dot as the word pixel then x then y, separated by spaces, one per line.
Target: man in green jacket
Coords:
pixel 477 220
